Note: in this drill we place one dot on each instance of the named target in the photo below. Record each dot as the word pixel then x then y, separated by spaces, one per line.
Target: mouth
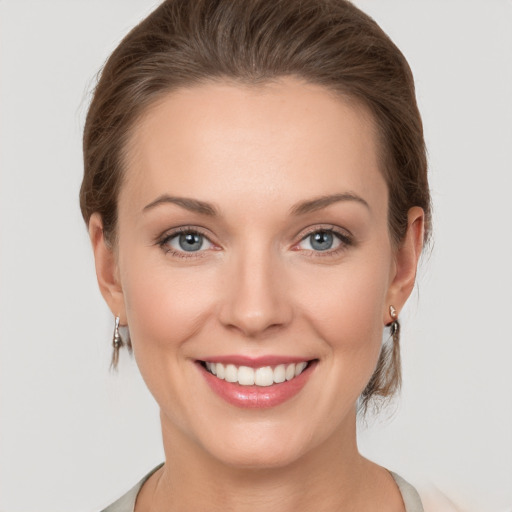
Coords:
pixel 256 384
pixel 262 376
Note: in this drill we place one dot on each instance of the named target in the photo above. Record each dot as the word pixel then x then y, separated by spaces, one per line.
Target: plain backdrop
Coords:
pixel 74 436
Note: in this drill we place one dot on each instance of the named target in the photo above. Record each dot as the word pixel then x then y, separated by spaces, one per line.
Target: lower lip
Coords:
pixel 257 397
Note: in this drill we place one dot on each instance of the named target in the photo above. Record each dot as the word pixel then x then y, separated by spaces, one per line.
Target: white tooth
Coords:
pixel 213 368
pixel 220 371
pixel 279 374
pixel 208 366
pixel 231 373
pixel 245 376
pixel 264 376
pixel 299 368
pixel 290 371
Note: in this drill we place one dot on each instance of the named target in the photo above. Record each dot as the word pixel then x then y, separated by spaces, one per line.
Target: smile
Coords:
pixel 263 376
pixel 263 384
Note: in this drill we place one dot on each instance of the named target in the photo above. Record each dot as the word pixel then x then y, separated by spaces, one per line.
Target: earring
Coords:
pixel 394 326
pixel 116 340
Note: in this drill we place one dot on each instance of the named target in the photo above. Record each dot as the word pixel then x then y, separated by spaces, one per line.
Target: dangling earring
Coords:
pixel 116 343
pixel 394 326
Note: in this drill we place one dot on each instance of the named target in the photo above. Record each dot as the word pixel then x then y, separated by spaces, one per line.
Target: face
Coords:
pixel 253 243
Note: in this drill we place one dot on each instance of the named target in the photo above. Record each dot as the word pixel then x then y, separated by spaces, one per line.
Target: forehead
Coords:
pixel 230 142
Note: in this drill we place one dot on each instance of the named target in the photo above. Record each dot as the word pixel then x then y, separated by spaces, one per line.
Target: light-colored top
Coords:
pixel 410 496
pixel 126 503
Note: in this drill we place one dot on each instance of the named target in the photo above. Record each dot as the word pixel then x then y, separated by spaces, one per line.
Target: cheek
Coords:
pixel 345 309
pixel 166 308
pixel 166 305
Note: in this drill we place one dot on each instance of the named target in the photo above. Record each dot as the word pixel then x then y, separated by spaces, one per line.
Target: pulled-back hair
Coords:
pixel 325 42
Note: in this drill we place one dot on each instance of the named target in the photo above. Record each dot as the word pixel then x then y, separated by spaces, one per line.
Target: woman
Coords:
pixel 256 195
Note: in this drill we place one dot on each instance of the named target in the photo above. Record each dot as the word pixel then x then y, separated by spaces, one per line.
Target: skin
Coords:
pixel 258 287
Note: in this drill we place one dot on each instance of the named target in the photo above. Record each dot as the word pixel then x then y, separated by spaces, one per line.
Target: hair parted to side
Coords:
pixel 325 42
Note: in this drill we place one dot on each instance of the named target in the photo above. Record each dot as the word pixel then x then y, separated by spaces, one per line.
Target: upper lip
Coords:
pixel 255 362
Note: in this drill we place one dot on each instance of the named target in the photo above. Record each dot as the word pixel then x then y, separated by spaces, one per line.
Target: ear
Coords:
pixel 406 263
pixel 107 271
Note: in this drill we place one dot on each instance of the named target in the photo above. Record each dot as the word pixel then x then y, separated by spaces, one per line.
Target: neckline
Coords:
pixel 126 503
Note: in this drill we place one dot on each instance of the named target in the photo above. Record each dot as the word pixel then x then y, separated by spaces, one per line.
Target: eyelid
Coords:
pixel 343 233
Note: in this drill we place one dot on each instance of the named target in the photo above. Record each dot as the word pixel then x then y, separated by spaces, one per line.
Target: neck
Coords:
pixel 329 477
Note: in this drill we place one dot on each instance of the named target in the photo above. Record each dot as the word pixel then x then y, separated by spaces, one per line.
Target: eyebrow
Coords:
pixel 204 208
pixel 193 205
pixel 324 201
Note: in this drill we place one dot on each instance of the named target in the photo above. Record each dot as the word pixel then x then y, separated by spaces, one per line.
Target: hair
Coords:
pixel 324 42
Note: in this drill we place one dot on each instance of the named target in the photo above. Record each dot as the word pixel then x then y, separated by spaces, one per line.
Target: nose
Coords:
pixel 255 299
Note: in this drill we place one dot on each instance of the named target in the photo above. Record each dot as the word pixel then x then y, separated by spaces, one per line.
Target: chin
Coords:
pixel 257 457
pixel 263 446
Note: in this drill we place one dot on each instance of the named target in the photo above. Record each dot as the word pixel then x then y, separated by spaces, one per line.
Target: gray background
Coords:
pixel 74 437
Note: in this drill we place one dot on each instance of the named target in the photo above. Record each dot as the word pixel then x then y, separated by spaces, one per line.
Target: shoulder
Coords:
pixel 410 496
pixel 126 503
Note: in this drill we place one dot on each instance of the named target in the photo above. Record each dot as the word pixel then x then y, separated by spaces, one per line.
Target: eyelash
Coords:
pixel 345 240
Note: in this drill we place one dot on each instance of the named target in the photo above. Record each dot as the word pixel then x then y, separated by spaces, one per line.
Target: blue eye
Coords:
pixel 190 241
pixel 321 240
pixel 187 241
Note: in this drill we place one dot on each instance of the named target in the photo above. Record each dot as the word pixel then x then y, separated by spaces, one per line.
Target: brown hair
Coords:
pixel 325 42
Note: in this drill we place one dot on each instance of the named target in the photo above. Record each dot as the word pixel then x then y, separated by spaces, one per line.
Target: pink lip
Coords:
pixel 257 397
